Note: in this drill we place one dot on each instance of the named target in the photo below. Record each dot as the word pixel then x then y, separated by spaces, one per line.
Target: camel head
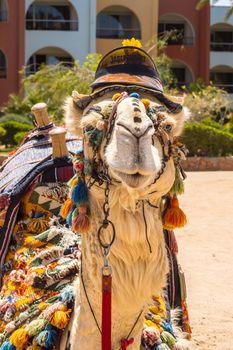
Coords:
pixel 131 136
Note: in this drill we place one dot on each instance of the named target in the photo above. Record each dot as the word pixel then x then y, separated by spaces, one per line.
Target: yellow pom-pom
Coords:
pixel 60 319
pixel 66 208
pixel 150 323
pixel 19 338
pixel 174 217
pixel 146 102
pixel 132 42
pixel 116 96
pixel 42 306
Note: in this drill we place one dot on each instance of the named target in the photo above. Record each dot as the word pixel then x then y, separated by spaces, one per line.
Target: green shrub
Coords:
pixel 204 140
pixel 19 136
pixel 2 131
pixel 12 128
pixel 16 118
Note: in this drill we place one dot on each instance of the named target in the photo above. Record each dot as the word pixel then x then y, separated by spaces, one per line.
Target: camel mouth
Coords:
pixel 135 180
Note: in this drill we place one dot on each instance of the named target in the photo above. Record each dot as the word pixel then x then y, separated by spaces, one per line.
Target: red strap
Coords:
pixel 106 312
pixel 126 342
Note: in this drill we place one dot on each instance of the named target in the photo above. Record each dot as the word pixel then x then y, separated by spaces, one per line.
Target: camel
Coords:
pixel 126 162
pixel 137 158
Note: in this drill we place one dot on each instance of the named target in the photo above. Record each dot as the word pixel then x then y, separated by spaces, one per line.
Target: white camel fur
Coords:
pixel 134 159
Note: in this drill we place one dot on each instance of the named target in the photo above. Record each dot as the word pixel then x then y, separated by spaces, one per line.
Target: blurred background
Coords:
pixel 50 47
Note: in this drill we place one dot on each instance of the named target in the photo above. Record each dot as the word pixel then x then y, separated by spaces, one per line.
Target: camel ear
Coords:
pixel 73 107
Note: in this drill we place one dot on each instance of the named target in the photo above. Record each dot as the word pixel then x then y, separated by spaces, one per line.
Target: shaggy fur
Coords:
pixel 137 273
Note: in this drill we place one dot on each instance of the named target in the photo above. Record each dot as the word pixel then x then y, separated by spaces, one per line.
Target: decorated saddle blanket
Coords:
pixel 42 259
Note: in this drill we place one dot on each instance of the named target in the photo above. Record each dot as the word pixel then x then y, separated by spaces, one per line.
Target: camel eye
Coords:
pixel 168 127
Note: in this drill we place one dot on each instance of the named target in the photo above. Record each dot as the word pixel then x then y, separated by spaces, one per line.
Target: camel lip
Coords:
pixel 134 180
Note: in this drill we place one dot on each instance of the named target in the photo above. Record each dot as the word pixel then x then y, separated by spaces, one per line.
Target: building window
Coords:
pixel 48 56
pixel 3 11
pixel 3 67
pixel 181 73
pixel 223 80
pixel 222 41
pixel 177 30
pixel 51 17
pixel 117 23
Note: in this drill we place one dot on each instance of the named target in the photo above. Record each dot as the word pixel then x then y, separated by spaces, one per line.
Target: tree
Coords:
pixel 202 3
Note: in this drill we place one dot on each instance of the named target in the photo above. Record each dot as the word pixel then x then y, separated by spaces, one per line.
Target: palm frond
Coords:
pixel 229 13
pixel 202 3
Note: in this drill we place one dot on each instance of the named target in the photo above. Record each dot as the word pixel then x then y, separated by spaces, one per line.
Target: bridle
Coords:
pixel 100 174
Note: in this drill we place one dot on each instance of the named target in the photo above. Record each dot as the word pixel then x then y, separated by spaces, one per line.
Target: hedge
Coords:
pixel 16 118
pixel 204 140
pixel 12 128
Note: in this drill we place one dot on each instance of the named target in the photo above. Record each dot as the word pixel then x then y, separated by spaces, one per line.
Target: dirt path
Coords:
pixel 206 255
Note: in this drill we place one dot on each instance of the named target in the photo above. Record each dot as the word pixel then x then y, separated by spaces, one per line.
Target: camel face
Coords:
pixel 138 148
pixel 131 156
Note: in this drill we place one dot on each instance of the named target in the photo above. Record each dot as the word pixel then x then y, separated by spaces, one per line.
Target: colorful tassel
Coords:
pixel 67 295
pixel 69 217
pixel 19 338
pixel 168 339
pixel 66 208
pixel 178 185
pixel 7 346
pixel 146 102
pixel 94 137
pixel 134 94
pixel 125 343
pixel 174 217
pixel 151 336
pixel 80 192
pixel 47 338
pixel 60 319
pixel 116 96
pixel 36 327
pixel 162 346
pixel 80 219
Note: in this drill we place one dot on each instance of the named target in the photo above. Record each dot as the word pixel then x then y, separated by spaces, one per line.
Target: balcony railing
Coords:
pixel 51 24
pixel 227 47
pixel 113 33
pixel 226 87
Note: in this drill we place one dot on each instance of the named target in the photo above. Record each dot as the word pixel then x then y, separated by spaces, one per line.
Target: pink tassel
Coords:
pixel 126 342
pixel 80 224
pixel 5 305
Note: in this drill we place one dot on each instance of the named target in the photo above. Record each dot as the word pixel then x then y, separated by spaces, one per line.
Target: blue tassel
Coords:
pixel 7 346
pixel 69 216
pixel 134 94
pixel 80 192
pixel 47 338
pixel 167 327
pixel 67 295
pixel 95 136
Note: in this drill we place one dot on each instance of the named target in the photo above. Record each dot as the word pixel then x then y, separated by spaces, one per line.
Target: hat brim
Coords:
pixel 124 78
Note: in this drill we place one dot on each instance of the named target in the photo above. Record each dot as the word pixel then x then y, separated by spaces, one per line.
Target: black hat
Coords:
pixel 129 65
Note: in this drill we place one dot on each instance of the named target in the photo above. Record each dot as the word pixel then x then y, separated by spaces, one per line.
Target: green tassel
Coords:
pixel 178 185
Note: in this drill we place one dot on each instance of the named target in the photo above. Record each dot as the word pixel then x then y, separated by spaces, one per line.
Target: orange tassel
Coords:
pixel 174 217
pixel 66 208
pixel 146 102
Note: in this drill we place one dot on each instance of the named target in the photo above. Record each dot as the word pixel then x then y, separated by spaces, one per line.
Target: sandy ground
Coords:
pixel 206 256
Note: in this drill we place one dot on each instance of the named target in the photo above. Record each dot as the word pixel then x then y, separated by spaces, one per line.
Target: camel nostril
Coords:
pixel 137 120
